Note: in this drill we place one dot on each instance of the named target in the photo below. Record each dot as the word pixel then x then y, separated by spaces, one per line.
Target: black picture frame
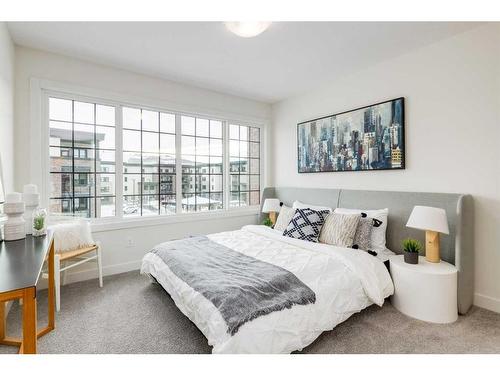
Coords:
pixel 402 141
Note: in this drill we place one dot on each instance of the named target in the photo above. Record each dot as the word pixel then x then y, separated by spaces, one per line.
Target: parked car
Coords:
pixel 130 210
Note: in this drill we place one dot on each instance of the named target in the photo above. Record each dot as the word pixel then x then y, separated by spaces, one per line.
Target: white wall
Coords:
pixel 452 91
pixel 7 107
pixel 118 256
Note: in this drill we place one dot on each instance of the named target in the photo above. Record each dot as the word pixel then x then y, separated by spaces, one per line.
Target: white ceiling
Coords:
pixel 287 59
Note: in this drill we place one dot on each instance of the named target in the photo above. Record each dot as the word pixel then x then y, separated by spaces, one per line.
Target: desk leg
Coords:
pixel 2 320
pixel 29 321
pixel 51 303
pixel 51 324
pixel 4 298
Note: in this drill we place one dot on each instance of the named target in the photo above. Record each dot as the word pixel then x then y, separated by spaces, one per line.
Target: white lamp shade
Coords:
pixel 429 218
pixel 271 205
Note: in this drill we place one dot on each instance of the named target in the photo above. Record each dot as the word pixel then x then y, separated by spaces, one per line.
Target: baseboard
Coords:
pixel 487 302
pixel 90 274
pixel 106 271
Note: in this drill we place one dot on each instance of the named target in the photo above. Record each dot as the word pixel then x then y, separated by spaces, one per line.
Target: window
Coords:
pixel 149 162
pixel 202 159
pixel 244 164
pixel 82 148
pixel 170 162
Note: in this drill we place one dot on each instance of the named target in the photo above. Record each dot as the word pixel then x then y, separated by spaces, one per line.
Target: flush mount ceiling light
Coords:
pixel 247 29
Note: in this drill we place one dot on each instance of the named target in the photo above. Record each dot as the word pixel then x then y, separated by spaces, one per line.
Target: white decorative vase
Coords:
pixel 14 228
pixel 31 200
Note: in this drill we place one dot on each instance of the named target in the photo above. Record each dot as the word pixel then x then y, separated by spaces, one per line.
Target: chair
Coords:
pixel 76 256
pixel 65 260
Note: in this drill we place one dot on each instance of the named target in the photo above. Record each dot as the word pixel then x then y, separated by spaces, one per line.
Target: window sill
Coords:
pixel 104 225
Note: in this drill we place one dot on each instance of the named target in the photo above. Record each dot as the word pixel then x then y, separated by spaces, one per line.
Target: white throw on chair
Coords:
pixel 73 245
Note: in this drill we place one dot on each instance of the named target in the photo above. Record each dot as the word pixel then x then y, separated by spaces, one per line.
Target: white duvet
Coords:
pixel 345 281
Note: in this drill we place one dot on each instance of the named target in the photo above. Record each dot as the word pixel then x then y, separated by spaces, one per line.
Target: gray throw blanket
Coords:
pixel 242 288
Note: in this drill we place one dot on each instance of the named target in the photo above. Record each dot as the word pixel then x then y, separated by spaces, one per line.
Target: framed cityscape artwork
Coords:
pixel 367 138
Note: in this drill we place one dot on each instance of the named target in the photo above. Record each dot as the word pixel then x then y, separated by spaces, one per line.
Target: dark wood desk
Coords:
pixel 21 264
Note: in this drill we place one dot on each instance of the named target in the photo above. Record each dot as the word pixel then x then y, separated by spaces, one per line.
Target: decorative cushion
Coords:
pixel 298 204
pixel 377 236
pixel 362 238
pixel 284 217
pixel 339 229
pixel 306 224
pixel 72 236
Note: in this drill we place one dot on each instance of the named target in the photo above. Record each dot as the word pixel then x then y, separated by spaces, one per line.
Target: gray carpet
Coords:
pixel 131 315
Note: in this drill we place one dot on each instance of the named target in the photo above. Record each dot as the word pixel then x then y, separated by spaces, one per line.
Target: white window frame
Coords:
pixel 40 92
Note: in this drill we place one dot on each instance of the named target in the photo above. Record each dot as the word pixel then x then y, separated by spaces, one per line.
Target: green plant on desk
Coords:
pixel 38 222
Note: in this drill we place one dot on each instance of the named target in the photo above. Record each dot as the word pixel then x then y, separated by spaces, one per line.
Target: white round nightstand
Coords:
pixel 425 291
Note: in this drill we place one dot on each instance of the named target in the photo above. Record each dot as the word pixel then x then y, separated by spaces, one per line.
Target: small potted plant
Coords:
pixel 411 247
pixel 39 222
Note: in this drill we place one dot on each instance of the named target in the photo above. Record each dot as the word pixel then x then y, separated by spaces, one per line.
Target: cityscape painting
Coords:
pixel 368 138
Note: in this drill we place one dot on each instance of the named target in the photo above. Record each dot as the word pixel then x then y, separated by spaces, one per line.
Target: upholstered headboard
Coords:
pixel 456 248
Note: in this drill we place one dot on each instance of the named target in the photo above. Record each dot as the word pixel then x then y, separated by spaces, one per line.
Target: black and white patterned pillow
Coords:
pixel 306 224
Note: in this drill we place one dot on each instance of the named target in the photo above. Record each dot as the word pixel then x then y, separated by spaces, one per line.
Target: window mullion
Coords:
pixel 119 161
pixel 141 184
pixel 73 157
pixel 45 188
pixel 178 164
pixel 96 175
pixel 226 165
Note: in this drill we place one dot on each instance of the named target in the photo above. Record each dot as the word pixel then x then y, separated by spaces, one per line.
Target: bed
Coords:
pixel 343 281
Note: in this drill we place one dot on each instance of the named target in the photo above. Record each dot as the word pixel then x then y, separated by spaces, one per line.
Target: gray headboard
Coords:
pixel 456 248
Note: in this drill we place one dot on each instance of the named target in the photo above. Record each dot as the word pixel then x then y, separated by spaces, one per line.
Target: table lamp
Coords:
pixel 434 221
pixel 271 206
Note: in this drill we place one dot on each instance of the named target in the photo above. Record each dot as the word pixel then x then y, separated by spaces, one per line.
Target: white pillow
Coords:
pixel 285 215
pixel 72 236
pixel 301 205
pixel 378 233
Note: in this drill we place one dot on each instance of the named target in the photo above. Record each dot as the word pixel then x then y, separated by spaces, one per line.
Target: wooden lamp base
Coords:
pixel 272 217
pixel 432 246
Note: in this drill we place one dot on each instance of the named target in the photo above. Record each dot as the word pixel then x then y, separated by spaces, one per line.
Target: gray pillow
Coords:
pixel 284 217
pixel 362 238
pixel 339 229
